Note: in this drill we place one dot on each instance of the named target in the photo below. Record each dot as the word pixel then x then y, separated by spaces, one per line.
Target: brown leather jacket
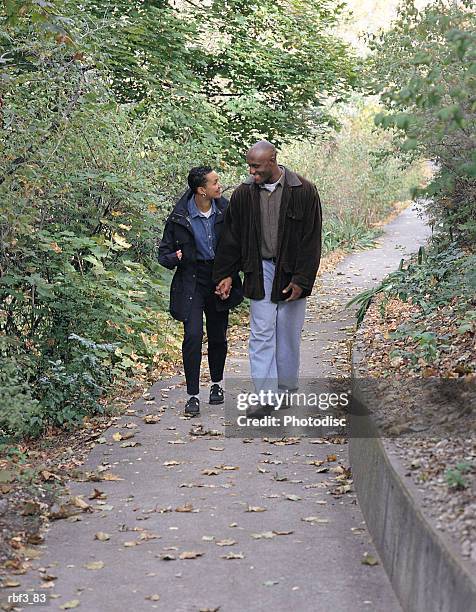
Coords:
pixel 299 238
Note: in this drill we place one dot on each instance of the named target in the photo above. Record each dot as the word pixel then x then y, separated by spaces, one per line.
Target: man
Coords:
pixel 272 232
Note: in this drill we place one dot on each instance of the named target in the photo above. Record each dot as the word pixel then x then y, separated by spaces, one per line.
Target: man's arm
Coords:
pixel 309 254
pixel 228 254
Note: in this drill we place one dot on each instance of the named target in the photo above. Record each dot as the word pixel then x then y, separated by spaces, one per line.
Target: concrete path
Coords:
pixel 235 505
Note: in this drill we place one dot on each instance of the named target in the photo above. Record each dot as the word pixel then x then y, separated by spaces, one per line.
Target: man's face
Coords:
pixel 261 166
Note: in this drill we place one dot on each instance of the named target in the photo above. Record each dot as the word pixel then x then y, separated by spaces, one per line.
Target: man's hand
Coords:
pixel 296 292
pixel 223 288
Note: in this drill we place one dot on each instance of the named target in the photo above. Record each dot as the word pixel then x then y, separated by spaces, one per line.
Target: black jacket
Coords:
pixel 299 238
pixel 178 234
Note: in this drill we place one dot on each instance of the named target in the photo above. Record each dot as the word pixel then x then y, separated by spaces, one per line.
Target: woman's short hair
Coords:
pixel 197 177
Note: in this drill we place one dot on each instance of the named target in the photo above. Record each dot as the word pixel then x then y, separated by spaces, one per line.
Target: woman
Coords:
pixel 189 243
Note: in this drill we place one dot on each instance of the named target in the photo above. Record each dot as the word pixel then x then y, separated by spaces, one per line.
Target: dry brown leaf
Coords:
pixel 111 477
pixel 190 554
pixel 10 583
pixel 185 508
pixel 233 555
pixel 151 419
pixel 227 542
pixel 211 472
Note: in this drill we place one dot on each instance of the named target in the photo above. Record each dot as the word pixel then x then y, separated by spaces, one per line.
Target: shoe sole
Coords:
pixel 212 402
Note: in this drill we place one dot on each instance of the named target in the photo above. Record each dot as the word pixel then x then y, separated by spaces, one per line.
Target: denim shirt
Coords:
pixel 203 230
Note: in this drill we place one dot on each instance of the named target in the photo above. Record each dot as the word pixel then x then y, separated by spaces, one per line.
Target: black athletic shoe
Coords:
pixel 216 394
pixel 192 407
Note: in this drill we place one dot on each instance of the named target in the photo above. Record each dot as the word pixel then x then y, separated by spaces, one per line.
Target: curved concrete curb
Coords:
pixel 425 572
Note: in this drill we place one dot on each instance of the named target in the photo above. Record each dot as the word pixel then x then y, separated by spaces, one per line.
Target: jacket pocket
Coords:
pixel 295 214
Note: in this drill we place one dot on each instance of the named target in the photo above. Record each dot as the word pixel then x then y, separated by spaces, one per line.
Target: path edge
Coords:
pixel 425 573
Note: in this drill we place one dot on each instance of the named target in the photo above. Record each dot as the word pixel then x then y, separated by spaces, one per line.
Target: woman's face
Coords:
pixel 212 188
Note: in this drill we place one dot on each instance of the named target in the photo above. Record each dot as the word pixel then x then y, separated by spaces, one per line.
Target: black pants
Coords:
pixel 217 322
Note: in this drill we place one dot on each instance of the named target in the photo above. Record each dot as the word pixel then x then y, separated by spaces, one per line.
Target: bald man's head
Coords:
pixel 261 159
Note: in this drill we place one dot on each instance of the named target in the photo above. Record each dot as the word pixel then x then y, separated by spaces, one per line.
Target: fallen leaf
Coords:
pixel 255 509
pixel 185 508
pixel 270 583
pixel 111 477
pixel 368 559
pixel 171 463
pixel 94 565
pixel 79 502
pixel 233 555
pixel 210 472
pixel 69 605
pixel 151 419
pixel 153 597
pixel 63 511
pixel 101 536
pixel 130 443
pixel 10 583
pixel 192 554
pixel 315 520
pixel 293 497
pixel 266 535
pixel 97 494
pixel 227 542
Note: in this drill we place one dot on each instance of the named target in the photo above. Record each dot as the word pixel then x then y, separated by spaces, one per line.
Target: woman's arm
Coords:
pixel 169 256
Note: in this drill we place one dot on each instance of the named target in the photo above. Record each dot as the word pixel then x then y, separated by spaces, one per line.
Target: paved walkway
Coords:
pixel 236 506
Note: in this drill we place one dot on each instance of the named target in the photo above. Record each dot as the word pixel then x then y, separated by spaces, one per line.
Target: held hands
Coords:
pixel 223 288
pixel 296 292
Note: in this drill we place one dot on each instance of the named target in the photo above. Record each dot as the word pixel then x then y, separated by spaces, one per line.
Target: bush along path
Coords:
pixel 169 514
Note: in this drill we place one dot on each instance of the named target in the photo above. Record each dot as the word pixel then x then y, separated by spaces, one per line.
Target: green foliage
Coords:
pixel 424 69
pixel 358 184
pixel 441 279
pixel 104 108
pixel 455 477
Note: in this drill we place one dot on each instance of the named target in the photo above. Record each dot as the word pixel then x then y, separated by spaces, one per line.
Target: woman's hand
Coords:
pixel 179 254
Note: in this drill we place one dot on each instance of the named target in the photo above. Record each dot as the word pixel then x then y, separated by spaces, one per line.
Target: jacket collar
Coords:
pixel 181 215
pixel 290 178
pixel 194 211
pixel 181 208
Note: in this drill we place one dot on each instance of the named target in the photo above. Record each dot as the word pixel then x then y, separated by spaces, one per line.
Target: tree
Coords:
pixel 424 69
